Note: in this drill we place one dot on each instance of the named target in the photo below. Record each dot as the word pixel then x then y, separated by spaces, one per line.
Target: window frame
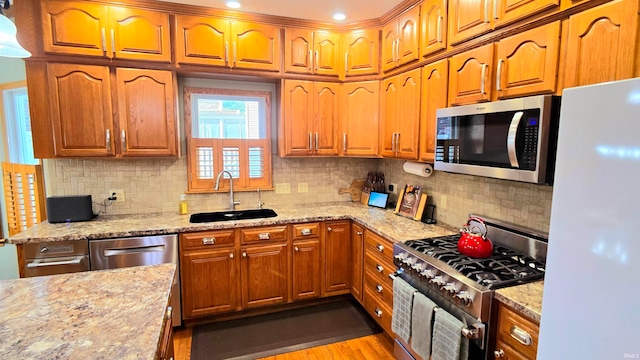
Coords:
pixel 244 183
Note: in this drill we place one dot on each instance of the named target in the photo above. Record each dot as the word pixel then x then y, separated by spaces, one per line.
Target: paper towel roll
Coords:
pixel 424 170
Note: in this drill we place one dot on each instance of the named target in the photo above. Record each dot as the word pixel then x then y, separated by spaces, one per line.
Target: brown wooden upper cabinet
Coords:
pixel 82 127
pixel 233 44
pixel 468 19
pixel 433 97
pixel 400 115
pixel 312 52
pixel 433 26
pixel 361 52
pixel 525 64
pixel 400 40
pixel 80 28
pixel 310 118
pixel 359 107
pixel 602 43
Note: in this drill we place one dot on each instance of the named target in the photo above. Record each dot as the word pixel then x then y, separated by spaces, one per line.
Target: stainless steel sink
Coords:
pixel 232 215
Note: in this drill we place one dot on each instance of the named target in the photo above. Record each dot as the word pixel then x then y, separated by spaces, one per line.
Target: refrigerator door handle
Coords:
pixel 511 139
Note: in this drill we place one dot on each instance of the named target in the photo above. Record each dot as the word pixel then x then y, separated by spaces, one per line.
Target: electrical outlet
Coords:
pixel 283 188
pixel 392 189
pixel 443 202
pixel 118 194
pixel 303 187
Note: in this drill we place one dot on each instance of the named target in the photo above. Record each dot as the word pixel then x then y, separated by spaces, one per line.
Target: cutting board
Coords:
pixel 355 189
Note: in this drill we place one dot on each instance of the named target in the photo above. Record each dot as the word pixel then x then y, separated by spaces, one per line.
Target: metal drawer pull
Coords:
pixel 379 288
pixel 378 312
pixel 521 336
pixel 264 236
pixel 329 228
pixel 296 248
pixel 169 312
pixel 305 232
pixel 209 241
pixel 380 247
pixel 498 354
pixel 379 268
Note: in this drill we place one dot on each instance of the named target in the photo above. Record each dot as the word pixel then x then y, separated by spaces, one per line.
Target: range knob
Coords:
pixel 451 287
pixel 400 256
pixel 464 296
pixel 439 280
pixel 410 260
pixel 419 266
pixel 428 273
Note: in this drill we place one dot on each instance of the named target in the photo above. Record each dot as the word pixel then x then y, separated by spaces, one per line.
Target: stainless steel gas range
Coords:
pixel 464 286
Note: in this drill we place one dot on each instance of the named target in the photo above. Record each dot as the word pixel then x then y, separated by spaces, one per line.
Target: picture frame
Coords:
pixel 411 202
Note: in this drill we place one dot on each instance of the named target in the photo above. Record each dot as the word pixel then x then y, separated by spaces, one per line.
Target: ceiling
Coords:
pixel 318 10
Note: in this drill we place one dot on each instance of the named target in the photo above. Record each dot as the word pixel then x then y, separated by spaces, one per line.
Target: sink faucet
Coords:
pixel 260 202
pixel 232 203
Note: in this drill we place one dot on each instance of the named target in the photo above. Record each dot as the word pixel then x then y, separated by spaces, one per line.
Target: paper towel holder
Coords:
pixel 416 168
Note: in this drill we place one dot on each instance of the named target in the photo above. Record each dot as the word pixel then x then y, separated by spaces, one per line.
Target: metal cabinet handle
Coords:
pixel 231 256
pixel 305 232
pixel 359 233
pixel 393 143
pixel 397 143
pixel 169 313
pixel 379 288
pixel 108 137
pixel 380 247
pixel 379 268
pixel 317 141
pixel 309 59
pixel 209 241
pixel 104 39
pixel 398 50
pixel 378 312
pixel 226 53
pixel 439 29
pixel 486 11
pixel 482 79
pixel 499 75
pixel 498 354
pixel 310 142
pixel 296 248
pixel 235 53
pixel 521 336
pixel 315 63
pixel 124 140
pixel 346 63
pixel 264 236
pixel 329 228
pixel 244 254
pixel 393 51
pixel 344 142
pixel 495 9
pixel 113 42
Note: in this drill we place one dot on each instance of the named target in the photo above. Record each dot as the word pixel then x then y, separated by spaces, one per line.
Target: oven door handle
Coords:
pixel 134 250
pixel 511 139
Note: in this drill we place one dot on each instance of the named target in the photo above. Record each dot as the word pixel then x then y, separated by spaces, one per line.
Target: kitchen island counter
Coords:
pixel 111 314
pixel 383 222
pixel 526 299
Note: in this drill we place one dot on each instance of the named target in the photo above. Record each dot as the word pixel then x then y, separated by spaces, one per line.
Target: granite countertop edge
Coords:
pixel 525 299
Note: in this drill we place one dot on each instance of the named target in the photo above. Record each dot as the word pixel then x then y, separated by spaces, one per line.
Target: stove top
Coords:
pixel 504 268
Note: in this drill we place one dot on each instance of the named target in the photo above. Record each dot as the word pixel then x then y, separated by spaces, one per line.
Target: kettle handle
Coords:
pixel 479 220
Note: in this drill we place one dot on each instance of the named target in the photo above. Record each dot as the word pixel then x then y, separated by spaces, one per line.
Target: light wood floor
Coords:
pixel 378 346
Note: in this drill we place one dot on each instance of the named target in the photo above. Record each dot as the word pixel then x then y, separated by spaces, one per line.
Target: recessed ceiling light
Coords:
pixel 339 16
pixel 233 4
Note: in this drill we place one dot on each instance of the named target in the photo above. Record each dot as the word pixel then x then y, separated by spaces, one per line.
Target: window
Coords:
pixel 228 130
pixel 20 144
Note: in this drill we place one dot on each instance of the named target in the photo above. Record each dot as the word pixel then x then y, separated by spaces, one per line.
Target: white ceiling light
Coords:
pixel 339 16
pixel 233 4
pixel 9 46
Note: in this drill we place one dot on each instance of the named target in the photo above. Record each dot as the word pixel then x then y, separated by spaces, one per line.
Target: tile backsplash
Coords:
pixel 155 185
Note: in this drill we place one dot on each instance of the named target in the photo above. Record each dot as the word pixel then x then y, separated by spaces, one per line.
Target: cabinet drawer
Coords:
pixel 379 269
pixel 305 231
pixel 263 234
pixel 380 289
pixel 518 331
pixel 381 312
pixel 378 245
pixel 207 239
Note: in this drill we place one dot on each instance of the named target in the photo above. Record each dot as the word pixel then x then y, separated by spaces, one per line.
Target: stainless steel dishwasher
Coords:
pixel 59 257
pixel 137 251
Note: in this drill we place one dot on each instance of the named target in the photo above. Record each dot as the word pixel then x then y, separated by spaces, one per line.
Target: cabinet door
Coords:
pixel 602 43
pixel 389 43
pixel 390 114
pixel 255 46
pixel 298 51
pixel 337 255
pixel 508 11
pixel 326 46
pixel 326 108
pixel 74 28
pixel 80 100
pixel 506 352
pixel 209 282
pixel 297 117
pixel 357 261
pixel 434 96
pixel 470 76
pixel 306 269
pixel 408 40
pixel 146 112
pixel 202 40
pixel 264 275
pixel 527 63
pixel 359 108
pixel 409 115
pixel 468 19
pixel 362 52
pixel 433 28
pixel 139 34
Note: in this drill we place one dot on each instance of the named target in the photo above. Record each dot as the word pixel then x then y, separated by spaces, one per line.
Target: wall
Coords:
pixel 12 70
pixel 519 203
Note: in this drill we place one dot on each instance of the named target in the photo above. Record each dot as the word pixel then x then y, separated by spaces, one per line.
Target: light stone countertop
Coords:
pixel 109 314
pixel 526 299
pixel 383 222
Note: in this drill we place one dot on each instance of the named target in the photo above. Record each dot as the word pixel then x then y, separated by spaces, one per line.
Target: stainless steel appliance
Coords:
pixel 509 139
pixel 137 251
pixel 58 257
pixel 464 286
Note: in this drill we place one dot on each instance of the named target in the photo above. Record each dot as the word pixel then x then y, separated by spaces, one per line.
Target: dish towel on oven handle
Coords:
pixel 402 304
pixel 421 318
pixel 448 342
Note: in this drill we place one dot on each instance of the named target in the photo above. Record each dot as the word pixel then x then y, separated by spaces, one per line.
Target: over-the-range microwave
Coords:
pixel 509 139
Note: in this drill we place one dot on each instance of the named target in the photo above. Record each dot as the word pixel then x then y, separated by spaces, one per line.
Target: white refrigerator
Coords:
pixel 591 301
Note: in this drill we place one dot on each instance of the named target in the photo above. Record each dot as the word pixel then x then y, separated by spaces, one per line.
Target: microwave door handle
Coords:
pixel 511 139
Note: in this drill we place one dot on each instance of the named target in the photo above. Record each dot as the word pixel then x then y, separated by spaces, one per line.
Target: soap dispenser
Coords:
pixel 183 204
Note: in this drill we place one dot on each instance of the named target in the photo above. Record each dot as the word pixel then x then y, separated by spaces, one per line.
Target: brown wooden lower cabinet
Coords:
pixel 306 269
pixel 337 258
pixel 264 272
pixel 516 335
pixel 165 350
pixel 357 261
pixel 379 310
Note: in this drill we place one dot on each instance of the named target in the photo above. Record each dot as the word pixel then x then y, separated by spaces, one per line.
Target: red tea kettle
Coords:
pixel 474 242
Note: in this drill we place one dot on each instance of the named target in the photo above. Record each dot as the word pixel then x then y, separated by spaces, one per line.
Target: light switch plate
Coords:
pixel 303 187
